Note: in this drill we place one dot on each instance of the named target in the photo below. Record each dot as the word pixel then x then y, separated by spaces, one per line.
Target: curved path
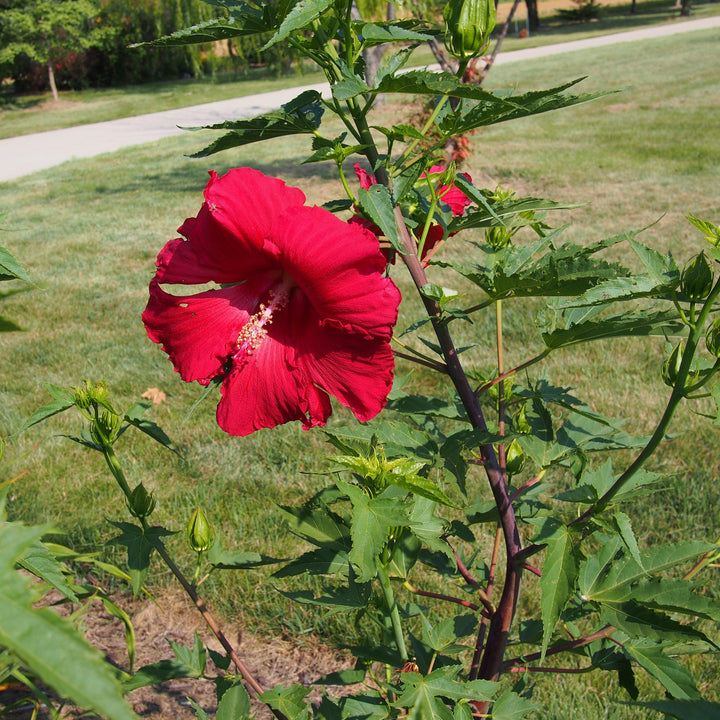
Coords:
pixel 29 153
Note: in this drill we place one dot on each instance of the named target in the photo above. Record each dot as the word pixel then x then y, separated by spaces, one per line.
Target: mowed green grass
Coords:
pixel 88 232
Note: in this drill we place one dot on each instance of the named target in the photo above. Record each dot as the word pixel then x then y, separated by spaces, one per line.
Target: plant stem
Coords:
pixel 119 475
pixel 502 619
pixel 392 609
pixel 678 393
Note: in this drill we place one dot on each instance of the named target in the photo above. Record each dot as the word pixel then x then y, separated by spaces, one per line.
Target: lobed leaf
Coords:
pixel 46 643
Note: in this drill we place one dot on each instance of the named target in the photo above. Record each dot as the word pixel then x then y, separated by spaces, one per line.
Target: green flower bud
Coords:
pixel 498 237
pixel 468 24
pixel 671 366
pixel 520 420
pixel 141 503
pixel 199 533
pixel 696 280
pixel 105 430
pixel 514 458
pixel 90 395
pixel 712 338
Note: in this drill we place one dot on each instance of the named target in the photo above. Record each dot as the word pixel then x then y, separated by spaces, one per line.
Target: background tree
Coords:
pixel 44 31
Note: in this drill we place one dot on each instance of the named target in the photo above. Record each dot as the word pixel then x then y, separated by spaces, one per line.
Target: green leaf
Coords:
pixel 424 695
pixel 139 545
pixel 289 701
pixel 47 644
pixel 63 401
pixel 10 268
pixel 193 658
pixel 479 110
pixel 443 638
pixel 321 561
pixel 511 706
pixel 38 560
pixel 639 621
pixel 500 211
pixel 200 714
pixel 300 116
pixel 246 20
pixel 406 179
pixel 116 611
pixel 302 14
pixel 318 524
pixel 350 86
pixel 234 704
pixel 237 559
pixel 377 204
pixel 676 596
pixel 380 33
pixel 624 528
pixel 371 521
pixel 559 574
pixel 341 599
pixel 685 709
pixel 342 677
pixel 158 672
pixel 668 672
pixel 563 328
pixel 135 417
pixel 613 578
pixel 661 268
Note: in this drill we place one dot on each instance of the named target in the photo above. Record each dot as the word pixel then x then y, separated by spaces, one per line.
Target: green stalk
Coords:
pixel 392 609
pixel 678 394
pixel 119 475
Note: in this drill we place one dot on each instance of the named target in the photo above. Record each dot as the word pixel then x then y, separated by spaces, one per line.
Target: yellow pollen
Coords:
pixel 255 329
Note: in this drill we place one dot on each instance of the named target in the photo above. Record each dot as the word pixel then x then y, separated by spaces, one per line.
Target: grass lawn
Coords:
pixel 88 232
pixel 22 115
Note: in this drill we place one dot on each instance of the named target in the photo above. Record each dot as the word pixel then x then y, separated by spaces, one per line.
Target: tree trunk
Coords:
pixel 632 7
pixel 532 13
pixel 51 79
pixel 685 8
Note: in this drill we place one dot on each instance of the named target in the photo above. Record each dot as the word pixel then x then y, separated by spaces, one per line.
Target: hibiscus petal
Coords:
pixel 356 370
pixel 199 332
pixel 365 178
pixel 246 203
pixel 224 242
pixel 338 268
pixel 267 388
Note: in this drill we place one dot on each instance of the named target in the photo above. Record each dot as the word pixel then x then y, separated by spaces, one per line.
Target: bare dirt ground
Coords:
pixel 272 660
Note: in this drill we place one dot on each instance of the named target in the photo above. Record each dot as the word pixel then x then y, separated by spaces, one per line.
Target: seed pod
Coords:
pixel 141 503
pixel 696 280
pixel 199 533
pixel 712 339
pixel 671 366
pixel 468 24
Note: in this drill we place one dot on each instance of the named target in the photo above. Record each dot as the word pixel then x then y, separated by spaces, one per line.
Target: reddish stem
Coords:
pixel 580 642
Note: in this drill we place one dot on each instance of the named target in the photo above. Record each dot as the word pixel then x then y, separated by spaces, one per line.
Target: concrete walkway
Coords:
pixel 29 153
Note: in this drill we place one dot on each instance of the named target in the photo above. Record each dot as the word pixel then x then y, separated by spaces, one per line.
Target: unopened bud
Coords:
pixel 671 366
pixel 141 503
pixel 468 24
pixel 696 280
pixel 514 458
pixel 712 339
pixel 199 533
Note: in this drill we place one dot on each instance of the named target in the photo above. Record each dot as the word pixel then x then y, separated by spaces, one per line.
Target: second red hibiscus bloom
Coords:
pixel 303 311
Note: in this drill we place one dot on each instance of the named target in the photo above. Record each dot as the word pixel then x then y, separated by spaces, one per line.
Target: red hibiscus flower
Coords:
pixel 448 194
pixel 304 311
